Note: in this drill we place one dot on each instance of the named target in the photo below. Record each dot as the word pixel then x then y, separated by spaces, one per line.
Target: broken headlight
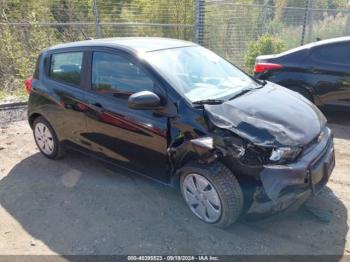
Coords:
pixel 285 154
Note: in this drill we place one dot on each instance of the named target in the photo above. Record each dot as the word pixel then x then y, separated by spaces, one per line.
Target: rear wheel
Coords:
pixel 212 193
pixel 46 139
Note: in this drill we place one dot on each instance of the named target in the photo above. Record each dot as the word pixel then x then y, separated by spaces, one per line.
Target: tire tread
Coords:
pixel 227 186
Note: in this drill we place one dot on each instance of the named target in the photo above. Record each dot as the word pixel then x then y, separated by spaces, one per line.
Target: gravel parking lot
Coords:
pixel 80 205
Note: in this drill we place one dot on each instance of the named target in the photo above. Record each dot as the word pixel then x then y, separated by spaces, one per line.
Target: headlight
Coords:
pixel 206 142
pixel 284 154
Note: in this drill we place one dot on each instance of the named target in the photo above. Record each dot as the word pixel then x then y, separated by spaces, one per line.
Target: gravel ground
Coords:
pixel 80 205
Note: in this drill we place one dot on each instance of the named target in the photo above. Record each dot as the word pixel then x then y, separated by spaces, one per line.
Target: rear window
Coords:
pixel 335 53
pixel 66 67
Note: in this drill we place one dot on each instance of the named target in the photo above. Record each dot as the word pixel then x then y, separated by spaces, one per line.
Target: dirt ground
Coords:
pixel 80 205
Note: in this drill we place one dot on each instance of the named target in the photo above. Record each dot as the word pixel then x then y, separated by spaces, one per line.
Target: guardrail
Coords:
pixel 13 112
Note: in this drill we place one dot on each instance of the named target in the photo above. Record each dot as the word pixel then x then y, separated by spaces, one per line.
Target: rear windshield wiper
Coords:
pixel 209 102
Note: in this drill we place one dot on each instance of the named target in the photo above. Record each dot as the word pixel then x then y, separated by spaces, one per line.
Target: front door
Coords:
pixel 135 139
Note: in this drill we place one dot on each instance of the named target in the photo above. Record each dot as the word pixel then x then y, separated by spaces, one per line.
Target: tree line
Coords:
pixel 26 27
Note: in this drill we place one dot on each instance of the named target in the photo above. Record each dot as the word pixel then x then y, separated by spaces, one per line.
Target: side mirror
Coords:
pixel 144 100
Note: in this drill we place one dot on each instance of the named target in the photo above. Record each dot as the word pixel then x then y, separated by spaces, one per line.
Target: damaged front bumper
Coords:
pixel 289 186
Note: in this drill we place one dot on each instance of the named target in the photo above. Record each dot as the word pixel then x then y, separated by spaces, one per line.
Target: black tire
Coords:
pixel 58 149
pixel 226 186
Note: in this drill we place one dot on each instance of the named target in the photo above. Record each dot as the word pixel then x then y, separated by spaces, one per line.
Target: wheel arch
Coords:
pixel 194 158
pixel 194 150
pixel 32 118
pixel 197 151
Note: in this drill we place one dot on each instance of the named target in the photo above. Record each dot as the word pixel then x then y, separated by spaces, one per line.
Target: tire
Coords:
pixel 221 212
pixel 46 139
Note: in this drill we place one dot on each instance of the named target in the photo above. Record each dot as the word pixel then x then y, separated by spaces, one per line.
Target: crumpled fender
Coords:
pixel 204 149
pixel 201 149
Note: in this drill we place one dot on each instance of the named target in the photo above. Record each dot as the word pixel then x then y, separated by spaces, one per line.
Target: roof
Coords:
pixel 318 43
pixel 331 41
pixel 133 44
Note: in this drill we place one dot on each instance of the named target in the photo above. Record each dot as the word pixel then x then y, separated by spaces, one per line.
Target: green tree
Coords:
pixel 266 44
pixel 20 44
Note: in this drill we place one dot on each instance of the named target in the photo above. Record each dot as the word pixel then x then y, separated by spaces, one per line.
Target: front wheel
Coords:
pixel 212 192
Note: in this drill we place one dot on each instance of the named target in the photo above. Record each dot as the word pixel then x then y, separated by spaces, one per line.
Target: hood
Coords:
pixel 269 116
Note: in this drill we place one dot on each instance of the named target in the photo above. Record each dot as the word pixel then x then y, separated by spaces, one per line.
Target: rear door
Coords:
pixel 135 139
pixel 66 104
pixel 330 68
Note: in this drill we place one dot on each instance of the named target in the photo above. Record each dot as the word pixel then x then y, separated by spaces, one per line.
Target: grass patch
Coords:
pixel 16 95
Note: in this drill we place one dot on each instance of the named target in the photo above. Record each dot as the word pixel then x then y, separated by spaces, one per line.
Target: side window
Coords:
pixel 334 53
pixel 66 67
pixel 116 75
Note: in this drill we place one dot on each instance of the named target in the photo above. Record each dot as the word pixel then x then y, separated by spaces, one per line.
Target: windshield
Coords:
pixel 199 74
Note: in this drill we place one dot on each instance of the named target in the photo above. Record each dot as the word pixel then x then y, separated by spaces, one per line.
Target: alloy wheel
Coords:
pixel 44 138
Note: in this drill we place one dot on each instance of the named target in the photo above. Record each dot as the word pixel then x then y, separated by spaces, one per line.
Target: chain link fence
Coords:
pixel 26 27
pixel 77 19
pixel 230 27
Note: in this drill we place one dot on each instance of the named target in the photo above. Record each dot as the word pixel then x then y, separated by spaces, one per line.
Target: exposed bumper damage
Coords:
pixel 283 119
pixel 288 186
pixel 245 138
pixel 278 187
pixel 256 129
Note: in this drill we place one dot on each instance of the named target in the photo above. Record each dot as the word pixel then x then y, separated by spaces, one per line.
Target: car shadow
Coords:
pixel 80 205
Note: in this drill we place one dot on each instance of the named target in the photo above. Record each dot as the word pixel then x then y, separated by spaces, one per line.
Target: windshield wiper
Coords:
pixel 262 82
pixel 209 102
pixel 242 92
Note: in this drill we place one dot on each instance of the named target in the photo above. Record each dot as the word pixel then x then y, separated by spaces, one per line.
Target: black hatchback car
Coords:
pixel 178 113
pixel 319 71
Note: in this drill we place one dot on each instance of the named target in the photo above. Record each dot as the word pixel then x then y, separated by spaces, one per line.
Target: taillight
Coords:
pixel 262 67
pixel 29 84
